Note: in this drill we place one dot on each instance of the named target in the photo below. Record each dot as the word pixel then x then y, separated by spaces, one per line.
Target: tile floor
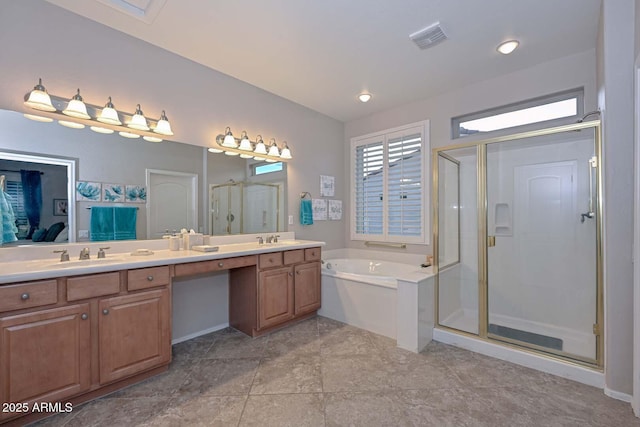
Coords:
pixel 324 373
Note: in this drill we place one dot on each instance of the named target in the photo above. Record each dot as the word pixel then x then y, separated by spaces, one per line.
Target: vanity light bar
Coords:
pixel 231 146
pixel 74 112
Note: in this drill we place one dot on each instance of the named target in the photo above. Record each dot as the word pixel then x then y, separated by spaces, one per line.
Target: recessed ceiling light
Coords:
pixel 364 97
pixel 507 47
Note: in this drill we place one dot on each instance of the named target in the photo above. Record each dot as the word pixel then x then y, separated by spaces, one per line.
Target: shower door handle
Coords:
pixel 593 163
pixel 491 241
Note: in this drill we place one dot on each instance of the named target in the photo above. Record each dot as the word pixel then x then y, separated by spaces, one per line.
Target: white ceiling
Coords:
pixel 323 53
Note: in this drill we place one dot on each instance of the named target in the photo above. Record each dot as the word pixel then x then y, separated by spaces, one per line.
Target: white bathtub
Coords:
pixel 364 292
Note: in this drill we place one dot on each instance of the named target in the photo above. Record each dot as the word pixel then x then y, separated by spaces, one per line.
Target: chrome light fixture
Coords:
pixel 75 113
pixel 273 148
pixel 163 127
pixel 229 141
pixel 226 143
pixel 39 99
pixel 76 107
pixel 286 153
pixel 260 147
pixel 109 114
pixel 138 121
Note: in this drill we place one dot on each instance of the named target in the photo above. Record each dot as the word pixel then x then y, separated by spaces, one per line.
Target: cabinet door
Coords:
pixel 134 334
pixel 45 356
pixel 275 297
pixel 307 287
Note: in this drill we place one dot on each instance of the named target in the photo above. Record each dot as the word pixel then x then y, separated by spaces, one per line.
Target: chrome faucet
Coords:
pixel 64 255
pixel 84 253
pixel 269 239
pixel 260 240
pixel 101 253
pixel 275 238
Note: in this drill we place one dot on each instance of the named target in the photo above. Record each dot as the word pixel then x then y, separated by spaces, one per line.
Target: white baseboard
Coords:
pixel 618 395
pixel 199 333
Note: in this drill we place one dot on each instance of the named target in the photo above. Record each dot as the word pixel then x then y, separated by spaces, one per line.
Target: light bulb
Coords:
pixel 151 139
pixel 507 47
pixel 245 144
pixel 129 135
pixel 215 150
pixel 163 127
pixel 38 118
pixel 229 141
pixel 109 114
pixel 138 121
pixel 39 99
pixel 76 107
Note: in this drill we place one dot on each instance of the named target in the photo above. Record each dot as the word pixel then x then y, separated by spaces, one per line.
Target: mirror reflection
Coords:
pixel 112 162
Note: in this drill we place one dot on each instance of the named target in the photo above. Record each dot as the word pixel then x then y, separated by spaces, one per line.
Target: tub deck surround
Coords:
pixel 107 323
pixel 399 304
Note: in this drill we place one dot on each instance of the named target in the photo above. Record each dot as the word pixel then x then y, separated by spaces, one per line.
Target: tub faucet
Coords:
pixel 84 254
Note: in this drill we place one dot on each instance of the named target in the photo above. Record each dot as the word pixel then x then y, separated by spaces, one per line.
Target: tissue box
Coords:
pixel 191 240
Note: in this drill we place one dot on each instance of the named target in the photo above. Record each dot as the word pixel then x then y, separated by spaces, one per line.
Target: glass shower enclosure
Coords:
pixel 517 240
pixel 244 207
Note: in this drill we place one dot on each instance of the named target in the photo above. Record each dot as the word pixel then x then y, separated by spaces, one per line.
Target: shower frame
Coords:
pixel 483 273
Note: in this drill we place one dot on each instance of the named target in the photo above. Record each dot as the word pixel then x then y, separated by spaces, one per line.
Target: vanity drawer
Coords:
pixel 147 278
pixel 312 254
pixel 26 295
pixel 95 285
pixel 273 259
pixel 203 267
pixel 293 257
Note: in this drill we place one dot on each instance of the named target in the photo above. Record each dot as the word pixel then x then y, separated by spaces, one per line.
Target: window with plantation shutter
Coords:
pixel 389 194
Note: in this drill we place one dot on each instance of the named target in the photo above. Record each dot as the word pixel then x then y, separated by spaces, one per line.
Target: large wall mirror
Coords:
pixel 109 162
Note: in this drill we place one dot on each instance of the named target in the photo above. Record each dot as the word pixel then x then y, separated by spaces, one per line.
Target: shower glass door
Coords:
pixel 542 258
pixel 456 245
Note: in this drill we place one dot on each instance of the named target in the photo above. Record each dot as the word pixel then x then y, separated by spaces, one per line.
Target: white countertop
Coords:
pixel 36 269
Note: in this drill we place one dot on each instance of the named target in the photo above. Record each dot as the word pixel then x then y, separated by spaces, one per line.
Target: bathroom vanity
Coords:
pixel 80 330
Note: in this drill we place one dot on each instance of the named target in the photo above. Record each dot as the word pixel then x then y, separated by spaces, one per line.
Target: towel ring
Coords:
pixel 305 194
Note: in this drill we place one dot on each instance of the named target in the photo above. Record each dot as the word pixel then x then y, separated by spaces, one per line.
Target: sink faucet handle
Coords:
pixel 260 240
pixel 275 238
pixel 101 253
pixel 64 255
pixel 85 253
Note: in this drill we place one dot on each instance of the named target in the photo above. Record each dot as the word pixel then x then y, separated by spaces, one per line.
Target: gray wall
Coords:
pixel 616 53
pixel 68 51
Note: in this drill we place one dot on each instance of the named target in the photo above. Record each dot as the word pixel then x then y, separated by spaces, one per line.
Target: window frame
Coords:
pixel 423 128
pixel 577 93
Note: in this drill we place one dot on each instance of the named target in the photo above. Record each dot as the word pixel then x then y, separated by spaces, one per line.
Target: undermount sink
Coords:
pixel 83 262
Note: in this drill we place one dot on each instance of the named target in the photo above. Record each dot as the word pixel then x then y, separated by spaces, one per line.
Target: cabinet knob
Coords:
pixel 84 316
pixel 24 296
pixel 291 274
pixel 297 272
pixel 313 254
pixel 105 311
pixel 220 264
pixel 150 278
pixel 271 260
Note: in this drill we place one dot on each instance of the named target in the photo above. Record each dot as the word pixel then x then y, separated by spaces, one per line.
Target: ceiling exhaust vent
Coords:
pixel 428 37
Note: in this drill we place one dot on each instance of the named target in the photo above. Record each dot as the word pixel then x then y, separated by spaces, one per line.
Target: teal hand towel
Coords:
pixel 124 223
pixel 101 225
pixel 306 212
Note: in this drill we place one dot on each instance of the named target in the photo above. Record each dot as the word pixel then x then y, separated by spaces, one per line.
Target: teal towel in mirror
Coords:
pixel 101 225
pixel 306 212
pixel 124 220
pixel 113 223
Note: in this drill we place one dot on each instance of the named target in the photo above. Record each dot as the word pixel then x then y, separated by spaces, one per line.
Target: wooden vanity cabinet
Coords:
pixel 287 289
pixel 45 356
pixel 97 333
pixel 135 333
pixel 275 297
